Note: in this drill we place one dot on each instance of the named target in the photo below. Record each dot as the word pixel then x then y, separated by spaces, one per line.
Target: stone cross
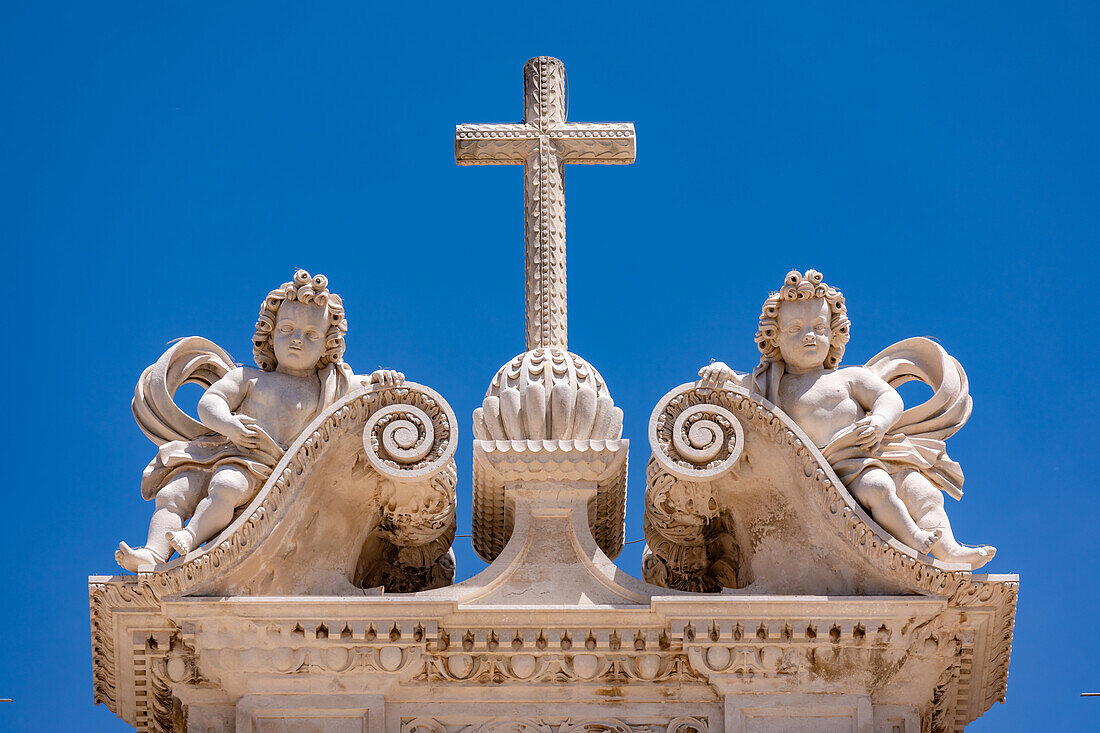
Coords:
pixel 543 143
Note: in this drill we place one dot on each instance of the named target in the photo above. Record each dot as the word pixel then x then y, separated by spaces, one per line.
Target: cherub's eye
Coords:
pixel 820 328
pixel 285 328
pixel 313 335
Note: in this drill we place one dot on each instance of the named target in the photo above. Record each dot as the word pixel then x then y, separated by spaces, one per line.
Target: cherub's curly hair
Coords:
pixel 797 286
pixel 308 290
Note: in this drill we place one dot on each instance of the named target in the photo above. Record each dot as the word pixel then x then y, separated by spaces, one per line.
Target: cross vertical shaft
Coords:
pixel 544 207
pixel 543 144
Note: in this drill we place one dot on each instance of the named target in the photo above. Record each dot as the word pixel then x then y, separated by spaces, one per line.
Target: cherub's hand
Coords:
pixel 715 375
pixel 387 378
pixel 244 432
pixel 870 430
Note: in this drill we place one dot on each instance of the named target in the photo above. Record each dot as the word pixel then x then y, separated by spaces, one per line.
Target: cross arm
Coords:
pixel 505 144
pixel 595 142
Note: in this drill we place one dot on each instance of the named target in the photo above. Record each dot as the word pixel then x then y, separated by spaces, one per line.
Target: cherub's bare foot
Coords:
pixel 131 558
pixel 181 541
pixel 975 557
pixel 925 539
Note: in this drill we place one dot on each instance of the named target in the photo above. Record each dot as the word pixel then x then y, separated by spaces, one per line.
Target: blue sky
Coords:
pixel 163 165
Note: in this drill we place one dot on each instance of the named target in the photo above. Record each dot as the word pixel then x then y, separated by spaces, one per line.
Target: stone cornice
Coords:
pixel 756 643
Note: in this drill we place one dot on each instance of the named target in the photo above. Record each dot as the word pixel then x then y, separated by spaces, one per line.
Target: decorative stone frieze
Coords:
pixel 772 599
pixel 566 725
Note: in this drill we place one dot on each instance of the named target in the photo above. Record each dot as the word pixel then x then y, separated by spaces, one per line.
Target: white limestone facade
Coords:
pixel 773 597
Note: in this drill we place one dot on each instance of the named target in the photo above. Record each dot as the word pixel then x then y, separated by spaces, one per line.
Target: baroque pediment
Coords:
pixel 313 511
pixel 342 490
pixel 763 510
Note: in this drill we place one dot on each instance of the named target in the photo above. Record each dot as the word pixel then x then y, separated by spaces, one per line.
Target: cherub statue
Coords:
pixel 893 461
pixel 204 471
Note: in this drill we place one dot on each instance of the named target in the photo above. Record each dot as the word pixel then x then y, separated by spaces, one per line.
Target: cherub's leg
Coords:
pixel 875 490
pixel 230 487
pixel 925 504
pixel 174 503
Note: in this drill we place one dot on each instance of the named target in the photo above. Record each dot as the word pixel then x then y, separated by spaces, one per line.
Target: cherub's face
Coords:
pixel 299 335
pixel 804 333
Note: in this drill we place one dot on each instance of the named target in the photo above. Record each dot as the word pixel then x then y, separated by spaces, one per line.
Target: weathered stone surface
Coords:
pixel 543 143
pixel 776 602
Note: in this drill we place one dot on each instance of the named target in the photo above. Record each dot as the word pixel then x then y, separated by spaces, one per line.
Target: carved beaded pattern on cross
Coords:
pixel 543 144
pixel 548 220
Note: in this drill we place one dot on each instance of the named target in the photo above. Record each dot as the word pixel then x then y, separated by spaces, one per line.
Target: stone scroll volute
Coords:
pixel 349 479
pixel 767 512
pixel 740 494
pixel 323 599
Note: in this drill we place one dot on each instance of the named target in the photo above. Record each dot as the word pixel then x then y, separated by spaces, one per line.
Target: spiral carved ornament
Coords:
pixel 693 439
pixel 413 439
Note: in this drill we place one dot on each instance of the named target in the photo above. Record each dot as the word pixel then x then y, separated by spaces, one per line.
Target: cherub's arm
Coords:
pixel 385 377
pixel 717 373
pixel 216 408
pixel 882 403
